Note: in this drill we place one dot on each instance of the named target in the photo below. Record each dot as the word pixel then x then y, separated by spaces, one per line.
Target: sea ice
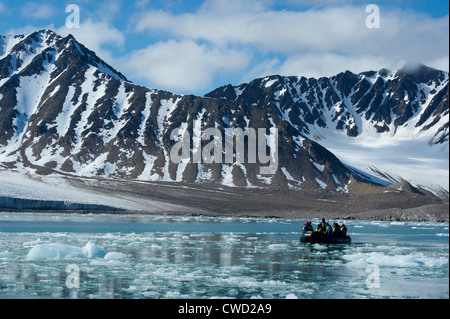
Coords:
pixel 278 246
pixel 35 243
pixel 5 254
pixel 409 260
pixel 115 256
pixel 53 250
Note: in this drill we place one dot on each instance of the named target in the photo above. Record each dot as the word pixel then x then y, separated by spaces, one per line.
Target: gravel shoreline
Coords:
pixel 170 199
pixel 429 213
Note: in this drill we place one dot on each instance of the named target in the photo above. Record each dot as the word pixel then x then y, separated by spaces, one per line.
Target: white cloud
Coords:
pixel 310 3
pixel 108 11
pixel 266 67
pixel 182 65
pixel 2 8
pixel 28 29
pixel 36 10
pixel 316 40
pixel 244 39
pixel 95 35
pixel 141 4
pixel 329 64
pixel 250 23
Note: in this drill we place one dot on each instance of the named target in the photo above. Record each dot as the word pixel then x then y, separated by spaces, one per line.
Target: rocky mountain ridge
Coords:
pixel 373 102
pixel 65 111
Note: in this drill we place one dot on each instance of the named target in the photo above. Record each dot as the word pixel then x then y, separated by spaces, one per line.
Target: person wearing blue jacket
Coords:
pixel 329 229
pixel 307 227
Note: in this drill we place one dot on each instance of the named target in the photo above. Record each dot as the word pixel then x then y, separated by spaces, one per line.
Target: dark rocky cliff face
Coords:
pixel 384 100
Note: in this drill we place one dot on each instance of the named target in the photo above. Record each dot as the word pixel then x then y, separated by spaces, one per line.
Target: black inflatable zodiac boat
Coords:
pixel 320 238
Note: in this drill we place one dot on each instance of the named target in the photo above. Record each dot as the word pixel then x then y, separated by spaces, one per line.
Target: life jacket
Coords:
pixel 307 227
pixel 335 231
pixel 321 227
pixel 343 230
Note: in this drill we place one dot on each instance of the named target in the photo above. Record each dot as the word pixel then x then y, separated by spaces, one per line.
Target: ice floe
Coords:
pixel 54 250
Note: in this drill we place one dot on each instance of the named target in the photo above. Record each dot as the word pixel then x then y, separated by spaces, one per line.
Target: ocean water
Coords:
pixel 101 256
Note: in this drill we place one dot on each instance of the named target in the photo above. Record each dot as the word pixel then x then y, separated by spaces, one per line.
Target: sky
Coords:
pixel 195 46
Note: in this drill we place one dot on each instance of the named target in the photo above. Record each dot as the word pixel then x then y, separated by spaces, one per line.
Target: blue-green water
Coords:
pixel 101 256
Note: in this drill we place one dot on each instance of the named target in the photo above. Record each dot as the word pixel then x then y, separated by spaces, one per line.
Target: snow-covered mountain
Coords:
pixel 391 124
pixel 65 111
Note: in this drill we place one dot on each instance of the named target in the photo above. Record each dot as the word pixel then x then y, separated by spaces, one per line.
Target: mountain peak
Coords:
pixel 419 72
pixel 47 32
pixel 384 72
pixel 415 67
pixel 27 47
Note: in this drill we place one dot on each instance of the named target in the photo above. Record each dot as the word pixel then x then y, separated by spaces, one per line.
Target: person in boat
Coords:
pixel 343 230
pixel 335 231
pixel 318 228
pixel 322 226
pixel 329 229
pixel 307 227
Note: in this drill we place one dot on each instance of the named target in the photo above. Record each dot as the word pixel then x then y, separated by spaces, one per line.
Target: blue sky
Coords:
pixel 195 46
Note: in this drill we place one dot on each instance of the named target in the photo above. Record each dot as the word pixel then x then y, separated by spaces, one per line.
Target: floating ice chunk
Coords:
pixel 65 251
pixel 115 256
pixel 91 250
pixel 291 296
pixel 409 260
pixel 6 254
pixel 55 251
pixel 278 246
pixel 34 243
